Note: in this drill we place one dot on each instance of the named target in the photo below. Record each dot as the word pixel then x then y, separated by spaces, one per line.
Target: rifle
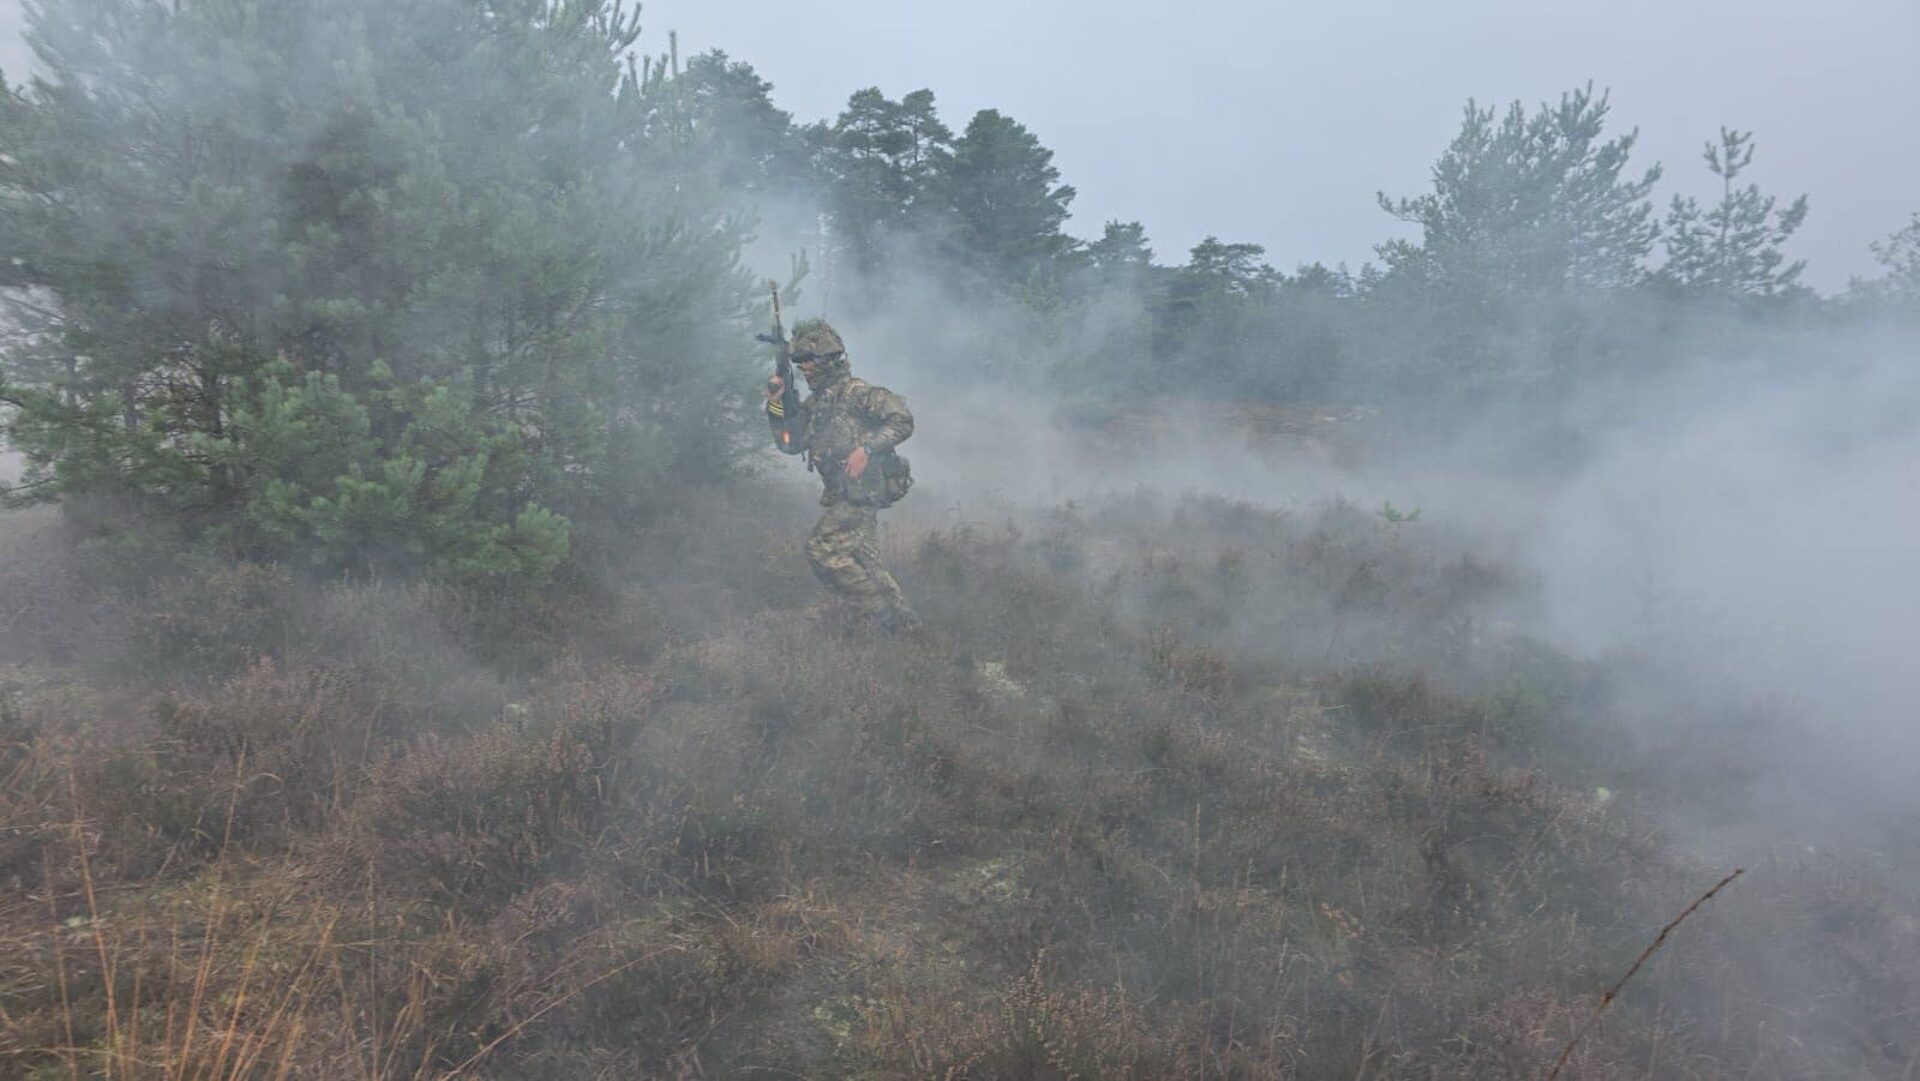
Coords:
pixel 785 414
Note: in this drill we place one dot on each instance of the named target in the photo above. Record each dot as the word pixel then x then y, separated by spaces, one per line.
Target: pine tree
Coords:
pixel 1731 251
pixel 1121 251
pixel 1530 203
pixel 1899 256
pixel 1007 203
pixel 371 282
pixel 882 158
pixel 1232 270
pixel 753 144
pixel 1533 218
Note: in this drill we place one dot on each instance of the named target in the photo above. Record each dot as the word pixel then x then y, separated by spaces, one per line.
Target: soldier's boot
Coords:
pixel 900 622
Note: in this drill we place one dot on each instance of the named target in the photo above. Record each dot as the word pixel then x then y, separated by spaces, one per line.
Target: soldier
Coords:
pixel 848 429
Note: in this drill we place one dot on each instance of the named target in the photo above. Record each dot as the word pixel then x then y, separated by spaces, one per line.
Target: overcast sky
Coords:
pixel 1277 122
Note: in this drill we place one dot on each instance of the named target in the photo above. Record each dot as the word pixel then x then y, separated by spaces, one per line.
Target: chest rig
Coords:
pixel 837 424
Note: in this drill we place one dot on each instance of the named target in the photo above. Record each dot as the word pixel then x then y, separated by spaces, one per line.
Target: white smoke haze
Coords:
pixel 1726 550
pixel 1754 532
pixel 1748 523
pixel 1742 530
pixel 1779 503
pixel 14 54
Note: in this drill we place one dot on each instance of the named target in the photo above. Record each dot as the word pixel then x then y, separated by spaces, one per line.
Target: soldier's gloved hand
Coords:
pixel 775 387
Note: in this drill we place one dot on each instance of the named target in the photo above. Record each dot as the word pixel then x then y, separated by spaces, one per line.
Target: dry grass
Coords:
pixel 1127 815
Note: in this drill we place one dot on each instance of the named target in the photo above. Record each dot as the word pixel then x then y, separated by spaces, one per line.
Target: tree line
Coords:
pixel 419 284
pixel 1541 258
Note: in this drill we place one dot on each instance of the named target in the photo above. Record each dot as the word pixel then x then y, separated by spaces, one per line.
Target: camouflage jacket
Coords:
pixel 846 413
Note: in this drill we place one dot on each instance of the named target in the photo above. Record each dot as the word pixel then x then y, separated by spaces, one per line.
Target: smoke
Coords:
pixel 15 57
pixel 1778 503
pixel 1751 532
pixel 1734 538
pixel 1730 543
pixel 1746 523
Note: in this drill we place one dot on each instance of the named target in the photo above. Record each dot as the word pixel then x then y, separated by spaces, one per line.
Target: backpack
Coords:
pixel 882 484
pixel 897 475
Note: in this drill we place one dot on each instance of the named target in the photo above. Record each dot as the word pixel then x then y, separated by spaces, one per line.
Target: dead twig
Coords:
pixel 1614 991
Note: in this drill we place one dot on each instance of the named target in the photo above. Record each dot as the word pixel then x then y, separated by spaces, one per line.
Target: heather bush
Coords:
pixel 1082 832
pixel 478 819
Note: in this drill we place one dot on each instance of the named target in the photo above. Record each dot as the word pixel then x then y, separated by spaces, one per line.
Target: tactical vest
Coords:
pixel 836 425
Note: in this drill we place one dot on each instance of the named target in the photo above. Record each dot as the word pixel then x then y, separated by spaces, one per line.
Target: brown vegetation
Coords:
pixel 1194 790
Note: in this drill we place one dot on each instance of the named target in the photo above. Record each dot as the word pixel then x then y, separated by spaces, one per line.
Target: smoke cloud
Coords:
pixel 1738 534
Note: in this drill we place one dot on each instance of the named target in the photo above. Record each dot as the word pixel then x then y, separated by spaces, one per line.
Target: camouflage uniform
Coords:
pixel 841 414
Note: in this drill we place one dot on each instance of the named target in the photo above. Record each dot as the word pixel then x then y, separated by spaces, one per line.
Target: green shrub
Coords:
pixel 447 287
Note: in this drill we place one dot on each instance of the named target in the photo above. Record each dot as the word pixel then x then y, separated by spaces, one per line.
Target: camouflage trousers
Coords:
pixel 844 552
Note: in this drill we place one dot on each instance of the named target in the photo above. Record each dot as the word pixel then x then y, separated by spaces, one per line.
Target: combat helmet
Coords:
pixel 813 338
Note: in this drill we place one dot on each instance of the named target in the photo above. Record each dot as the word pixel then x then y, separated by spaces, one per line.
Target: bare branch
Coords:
pixel 1614 991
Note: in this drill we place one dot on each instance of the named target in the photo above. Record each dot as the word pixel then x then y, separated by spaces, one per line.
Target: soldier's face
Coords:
pixel 809 369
